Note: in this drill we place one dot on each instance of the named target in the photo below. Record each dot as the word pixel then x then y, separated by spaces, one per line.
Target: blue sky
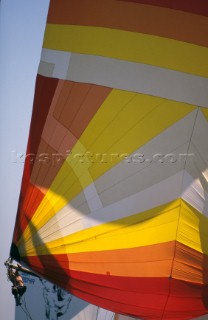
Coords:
pixel 22 27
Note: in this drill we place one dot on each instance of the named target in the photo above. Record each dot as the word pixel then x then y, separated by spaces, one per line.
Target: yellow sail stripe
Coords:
pixel 192 228
pixel 130 46
pixel 125 122
pixel 205 112
pixel 157 225
pixel 173 221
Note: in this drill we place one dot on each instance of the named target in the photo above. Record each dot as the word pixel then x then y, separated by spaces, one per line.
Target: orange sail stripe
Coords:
pixel 162 22
pixel 150 261
pixel 190 265
pixel 161 260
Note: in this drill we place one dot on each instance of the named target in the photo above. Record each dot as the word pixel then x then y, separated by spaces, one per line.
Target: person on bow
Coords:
pixel 18 288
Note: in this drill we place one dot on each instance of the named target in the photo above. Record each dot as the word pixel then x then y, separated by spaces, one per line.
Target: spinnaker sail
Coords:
pixel 114 199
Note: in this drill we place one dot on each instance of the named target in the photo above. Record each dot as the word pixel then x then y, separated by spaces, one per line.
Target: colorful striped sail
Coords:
pixel 114 198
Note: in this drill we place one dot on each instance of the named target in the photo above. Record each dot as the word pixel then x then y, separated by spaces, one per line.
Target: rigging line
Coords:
pixel 171 271
pixel 25 309
pixel 97 311
pixel 25 313
pixel 169 291
pixel 188 148
pixel 24 301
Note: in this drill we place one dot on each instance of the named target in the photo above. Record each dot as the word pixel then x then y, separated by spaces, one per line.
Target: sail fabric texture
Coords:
pixel 114 198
